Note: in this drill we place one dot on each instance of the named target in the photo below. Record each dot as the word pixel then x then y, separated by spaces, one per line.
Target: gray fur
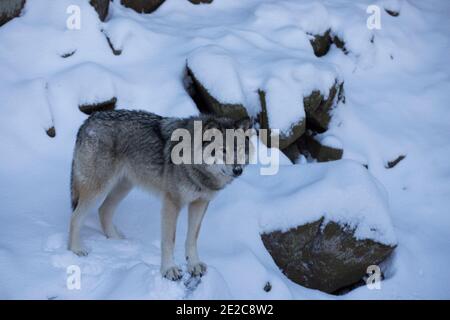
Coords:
pixel 117 150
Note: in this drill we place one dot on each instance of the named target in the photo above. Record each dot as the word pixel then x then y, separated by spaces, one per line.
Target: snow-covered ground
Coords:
pixel 397 90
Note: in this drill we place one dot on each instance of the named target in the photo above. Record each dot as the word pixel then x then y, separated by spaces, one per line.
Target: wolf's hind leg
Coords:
pixel 76 222
pixel 197 210
pixel 108 208
pixel 169 215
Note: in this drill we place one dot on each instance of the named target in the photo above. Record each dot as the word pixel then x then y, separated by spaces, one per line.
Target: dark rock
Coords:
pixel 142 6
pixel 10 9
pixel 323 256
pixel 292 152
pixel 297 129
pixel 340 44
pixel 101 106
pixel 392 13
pixel 51 132
pixel 267 286
pixel 206 103
pixel 393 163
pixel 318 109
pixel 200 1
pixel 310 147
pixel 101 6
pixel 321 43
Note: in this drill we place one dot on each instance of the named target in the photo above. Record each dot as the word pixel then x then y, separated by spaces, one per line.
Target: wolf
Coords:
pixel 120 149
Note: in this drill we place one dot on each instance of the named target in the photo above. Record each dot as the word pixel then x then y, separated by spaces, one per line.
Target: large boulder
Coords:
pixel 324 255
pixel 9 9
pixel 142 6
pixel 101 6
pixel 213 82
pixel 333 223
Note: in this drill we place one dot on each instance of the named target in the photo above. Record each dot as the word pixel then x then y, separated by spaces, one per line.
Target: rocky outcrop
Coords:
pixel 206 103
pixel 101 6
pixel 10 9
pixel 142 6
pixel 100 106
pixel 324 256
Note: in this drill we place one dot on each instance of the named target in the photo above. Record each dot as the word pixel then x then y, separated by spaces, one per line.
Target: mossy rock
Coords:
pixel 142 6
pixel 324 256
pixel 206 103
pixel 100 106
pixel 10 9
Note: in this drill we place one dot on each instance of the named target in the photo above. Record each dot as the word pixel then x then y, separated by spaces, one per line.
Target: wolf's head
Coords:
pixel 225 145
pixel 218 146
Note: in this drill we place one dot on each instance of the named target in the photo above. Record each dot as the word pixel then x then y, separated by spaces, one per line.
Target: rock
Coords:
pixel 321 43
pixel 142 6
pixel 324 256
pixel 200 1
pixel 206 103
pixel 100 106
pixel 318 109
pixel 297 129
pixel 292 152
pixel 309 146
pixel 101 6
pixel 10 9
pixel 51 132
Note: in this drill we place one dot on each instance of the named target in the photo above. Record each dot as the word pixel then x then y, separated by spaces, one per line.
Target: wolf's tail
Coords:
pixel 74 194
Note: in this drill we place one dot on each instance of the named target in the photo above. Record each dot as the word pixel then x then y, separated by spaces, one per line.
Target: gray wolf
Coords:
pixel 117 150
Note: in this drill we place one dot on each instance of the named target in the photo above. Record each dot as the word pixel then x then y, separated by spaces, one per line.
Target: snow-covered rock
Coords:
pixel 101 6
pixel 333 229
pixel 9 9
pixel 324 256
pixel 142 6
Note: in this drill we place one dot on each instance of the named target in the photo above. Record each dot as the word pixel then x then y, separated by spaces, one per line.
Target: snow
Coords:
pixel 397 88
pixel 343 192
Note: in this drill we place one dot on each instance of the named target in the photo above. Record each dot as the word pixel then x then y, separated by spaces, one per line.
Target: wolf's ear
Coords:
pixel 211 124
pixel 244 124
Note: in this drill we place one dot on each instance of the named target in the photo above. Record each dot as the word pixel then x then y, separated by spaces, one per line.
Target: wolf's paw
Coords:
pixel 173 273
pixel 115 234
pixel 197 269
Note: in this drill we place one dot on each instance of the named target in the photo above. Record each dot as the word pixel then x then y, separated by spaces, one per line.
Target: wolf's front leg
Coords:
pixel 197 210
pixel 169 216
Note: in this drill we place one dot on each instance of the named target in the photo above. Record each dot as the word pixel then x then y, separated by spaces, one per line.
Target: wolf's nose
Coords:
pixel 237 171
